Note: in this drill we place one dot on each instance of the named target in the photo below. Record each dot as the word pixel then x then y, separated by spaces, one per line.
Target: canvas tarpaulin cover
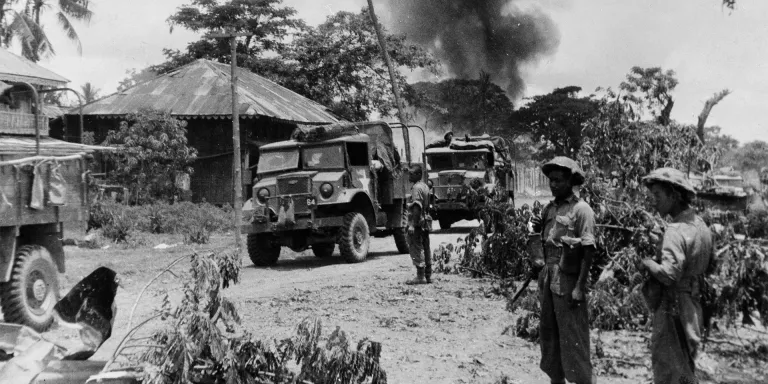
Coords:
pixel 382 148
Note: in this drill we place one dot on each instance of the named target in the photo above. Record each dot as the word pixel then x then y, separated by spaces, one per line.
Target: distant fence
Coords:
pixel 530 181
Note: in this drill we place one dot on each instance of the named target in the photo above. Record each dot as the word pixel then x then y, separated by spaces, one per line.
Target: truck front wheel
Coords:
pixel 263 249
pixel 355 238
pixel 29 296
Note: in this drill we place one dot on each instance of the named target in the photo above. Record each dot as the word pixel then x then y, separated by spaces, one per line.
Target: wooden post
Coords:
pixel 236 162
pixel 393 80
pixel 236 144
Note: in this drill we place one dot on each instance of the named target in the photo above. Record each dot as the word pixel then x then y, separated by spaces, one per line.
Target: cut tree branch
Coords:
pixel 708 105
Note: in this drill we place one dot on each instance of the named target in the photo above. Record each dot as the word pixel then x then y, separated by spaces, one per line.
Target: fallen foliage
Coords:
pixel 201 341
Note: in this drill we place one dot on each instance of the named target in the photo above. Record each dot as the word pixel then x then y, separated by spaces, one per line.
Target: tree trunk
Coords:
pixel 665 119
pixel 708 105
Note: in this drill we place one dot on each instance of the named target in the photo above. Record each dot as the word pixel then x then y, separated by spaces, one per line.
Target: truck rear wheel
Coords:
pixel 401 235
pixel 262 249
pixel 323 251
pixel 29 296
pixel 355 238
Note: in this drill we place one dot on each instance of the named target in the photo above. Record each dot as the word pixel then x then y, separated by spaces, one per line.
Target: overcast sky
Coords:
pixel 600 40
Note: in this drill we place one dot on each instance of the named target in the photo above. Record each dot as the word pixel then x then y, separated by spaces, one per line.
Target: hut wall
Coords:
pixel 212 177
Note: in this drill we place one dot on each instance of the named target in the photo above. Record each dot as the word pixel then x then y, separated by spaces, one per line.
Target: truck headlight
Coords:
pixel 262 195
pixel 326 190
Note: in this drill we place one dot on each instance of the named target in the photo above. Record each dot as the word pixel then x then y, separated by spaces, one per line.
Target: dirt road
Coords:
pixel 447 332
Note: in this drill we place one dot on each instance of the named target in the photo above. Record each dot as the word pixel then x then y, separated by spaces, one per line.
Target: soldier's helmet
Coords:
pixel 670 176
pixel 562 162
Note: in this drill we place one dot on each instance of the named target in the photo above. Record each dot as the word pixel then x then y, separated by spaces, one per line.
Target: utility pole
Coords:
pixel 237 167
pixel 392 79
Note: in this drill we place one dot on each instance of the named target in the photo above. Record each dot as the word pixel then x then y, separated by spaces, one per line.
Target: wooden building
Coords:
pixel 200 93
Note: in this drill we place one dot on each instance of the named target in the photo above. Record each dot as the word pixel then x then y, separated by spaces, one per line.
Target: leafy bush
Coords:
pixel 757 224
pixel 195 221
pixel 153 150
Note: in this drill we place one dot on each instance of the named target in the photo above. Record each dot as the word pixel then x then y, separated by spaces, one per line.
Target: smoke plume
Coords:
pixel 495 36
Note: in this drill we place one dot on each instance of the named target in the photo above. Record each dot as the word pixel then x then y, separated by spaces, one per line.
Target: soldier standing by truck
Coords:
pixel 567 228
pixel 419 226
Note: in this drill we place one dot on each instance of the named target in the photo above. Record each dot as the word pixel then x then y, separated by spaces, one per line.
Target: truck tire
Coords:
pixel 323 251
pixel 355 238
pixel 401 236
pixel 262 249
pixel 29 296
pixel 401 240
pixel 445 223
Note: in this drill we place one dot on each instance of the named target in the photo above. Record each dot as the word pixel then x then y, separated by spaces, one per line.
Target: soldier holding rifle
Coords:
pixel 566 229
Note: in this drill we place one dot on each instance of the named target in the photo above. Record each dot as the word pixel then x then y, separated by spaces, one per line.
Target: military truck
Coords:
pixel 721 192
pixel 464 173
pixel 328 185
pixel 42 194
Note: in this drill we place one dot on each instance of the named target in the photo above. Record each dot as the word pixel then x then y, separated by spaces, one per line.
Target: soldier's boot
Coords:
pixel 428 273
pixel 419 279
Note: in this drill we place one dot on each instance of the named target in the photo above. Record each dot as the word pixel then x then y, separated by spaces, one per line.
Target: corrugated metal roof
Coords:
pixel 53 111
pixel 15 68
pixel 18 145
pixel 202 89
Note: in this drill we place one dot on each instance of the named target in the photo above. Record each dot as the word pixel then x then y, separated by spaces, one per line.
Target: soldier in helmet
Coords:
pixel 419 226
pixel 567 228
pixel 676 278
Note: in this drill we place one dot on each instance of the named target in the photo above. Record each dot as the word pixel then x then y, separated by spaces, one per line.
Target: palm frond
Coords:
pixel 69 29
pixel 34 41
pixel 77 9
pixel 21 28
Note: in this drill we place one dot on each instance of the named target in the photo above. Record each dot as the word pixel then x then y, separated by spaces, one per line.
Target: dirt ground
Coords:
pixel 453 331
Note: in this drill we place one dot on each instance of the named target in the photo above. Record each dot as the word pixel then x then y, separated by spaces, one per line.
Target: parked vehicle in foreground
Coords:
pixel 42 194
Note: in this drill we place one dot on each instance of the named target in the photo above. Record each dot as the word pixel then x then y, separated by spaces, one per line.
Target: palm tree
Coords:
pixel 25 24
pixel 15 23
pixel 65 10
pixel 90 93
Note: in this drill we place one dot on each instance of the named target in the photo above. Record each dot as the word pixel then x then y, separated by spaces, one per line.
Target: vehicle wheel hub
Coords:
pixel 38 289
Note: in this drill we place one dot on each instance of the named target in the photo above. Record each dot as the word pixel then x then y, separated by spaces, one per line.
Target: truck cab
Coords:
pixel 338 186
pixel 462 175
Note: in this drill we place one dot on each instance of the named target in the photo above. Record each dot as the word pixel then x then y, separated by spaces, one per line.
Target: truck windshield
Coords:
pixel 324 157
pixel 470 160
pixel 440 162
pixel 278 160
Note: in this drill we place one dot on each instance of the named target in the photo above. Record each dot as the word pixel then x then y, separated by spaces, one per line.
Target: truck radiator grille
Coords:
pixel 455 179
pixel 293 186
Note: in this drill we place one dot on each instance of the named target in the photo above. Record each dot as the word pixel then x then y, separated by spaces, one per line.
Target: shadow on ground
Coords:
pixel 307 260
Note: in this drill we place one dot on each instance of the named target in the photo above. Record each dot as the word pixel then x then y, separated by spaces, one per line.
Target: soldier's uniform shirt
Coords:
pixel 418 243
pixel 420 195
pixel 685 254
pixel 564 331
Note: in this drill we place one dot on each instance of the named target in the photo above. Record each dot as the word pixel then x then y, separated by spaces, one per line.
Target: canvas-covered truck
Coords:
pixel 722 194
pixel 43 194
pixel 328 185
pixel 463 173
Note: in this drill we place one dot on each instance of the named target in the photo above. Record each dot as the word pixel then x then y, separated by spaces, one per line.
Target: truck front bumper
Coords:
pixel 300 224
pixel 451 206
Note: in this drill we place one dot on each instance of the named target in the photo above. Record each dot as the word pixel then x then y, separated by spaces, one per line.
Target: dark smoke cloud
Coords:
pixel 495 36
